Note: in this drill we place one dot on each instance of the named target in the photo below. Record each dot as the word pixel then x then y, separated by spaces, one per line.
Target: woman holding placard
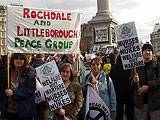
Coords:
pixel 70 111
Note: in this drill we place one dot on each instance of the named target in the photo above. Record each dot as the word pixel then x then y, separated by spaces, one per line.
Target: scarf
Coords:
pixel 95 82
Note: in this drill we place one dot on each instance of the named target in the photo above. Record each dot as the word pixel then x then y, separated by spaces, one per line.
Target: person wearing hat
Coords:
pixel 107 68
pixel 146 85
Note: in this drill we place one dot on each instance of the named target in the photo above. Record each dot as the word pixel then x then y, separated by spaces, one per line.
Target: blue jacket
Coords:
pixel 106 91
pixel 24 94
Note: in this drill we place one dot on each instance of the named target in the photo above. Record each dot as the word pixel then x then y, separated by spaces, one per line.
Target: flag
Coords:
pixel 95 108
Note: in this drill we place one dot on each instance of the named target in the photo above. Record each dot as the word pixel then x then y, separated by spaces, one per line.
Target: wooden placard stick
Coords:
pixel 136 73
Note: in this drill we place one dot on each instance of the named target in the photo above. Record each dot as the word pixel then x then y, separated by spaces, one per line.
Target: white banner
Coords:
pixel 95 108
pixel 128 43
pixel 54 88
pixel 32 30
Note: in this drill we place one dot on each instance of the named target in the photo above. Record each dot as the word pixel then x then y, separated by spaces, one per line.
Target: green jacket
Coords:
pixel 75 93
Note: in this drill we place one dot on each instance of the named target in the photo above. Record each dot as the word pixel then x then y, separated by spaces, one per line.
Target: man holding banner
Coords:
pixel 147 87
pixel 146 77
pixel 146 73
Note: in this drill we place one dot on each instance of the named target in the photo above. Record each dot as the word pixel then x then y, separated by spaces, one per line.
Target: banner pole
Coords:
pixel 135 73
pixel 78 66
pixel 8 71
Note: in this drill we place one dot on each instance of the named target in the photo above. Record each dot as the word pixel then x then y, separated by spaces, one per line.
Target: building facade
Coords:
pixel 86 42
pixel 2 29
pixel 155 38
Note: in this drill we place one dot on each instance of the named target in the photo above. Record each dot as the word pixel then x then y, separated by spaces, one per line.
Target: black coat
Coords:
pixel 23 94
pixel 149 75
pixel 122 83
pixel 3 86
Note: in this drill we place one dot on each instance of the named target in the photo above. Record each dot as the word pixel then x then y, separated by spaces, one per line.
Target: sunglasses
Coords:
pixel 20 58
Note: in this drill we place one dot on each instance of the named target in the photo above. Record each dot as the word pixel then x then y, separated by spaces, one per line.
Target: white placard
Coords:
pixel 54 88
pixel 128 43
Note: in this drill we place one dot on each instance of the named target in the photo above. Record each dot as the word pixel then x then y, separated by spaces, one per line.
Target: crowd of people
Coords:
pixel 130 94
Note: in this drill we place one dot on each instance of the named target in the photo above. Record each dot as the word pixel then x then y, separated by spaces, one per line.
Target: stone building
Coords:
pixel 98 35
pixel 155 38
pixel 2 28
pixel 86 42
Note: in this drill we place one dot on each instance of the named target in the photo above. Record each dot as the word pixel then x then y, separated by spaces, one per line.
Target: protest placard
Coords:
pixel 32 30
pixel 54 88
pixel 39 93
pixel 128 44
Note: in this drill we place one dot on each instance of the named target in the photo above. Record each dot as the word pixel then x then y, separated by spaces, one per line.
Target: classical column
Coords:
pixel 102 6
pixel 103 24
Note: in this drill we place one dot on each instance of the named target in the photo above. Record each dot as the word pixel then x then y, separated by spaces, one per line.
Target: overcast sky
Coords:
pixel 145 13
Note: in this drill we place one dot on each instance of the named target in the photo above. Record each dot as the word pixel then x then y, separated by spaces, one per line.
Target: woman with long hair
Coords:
pixel 19 93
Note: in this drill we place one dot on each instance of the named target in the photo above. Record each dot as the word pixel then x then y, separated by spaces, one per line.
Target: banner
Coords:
pixel 33 30
pixel 128 44
pixel 96 109
pixel 54 88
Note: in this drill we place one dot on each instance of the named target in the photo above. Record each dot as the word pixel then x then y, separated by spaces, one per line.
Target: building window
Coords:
pixel 3 34
pixel 84 29
pixel 113 35
pixel 3 41
pixel 3 27
pixel 154 36
pixel 90 28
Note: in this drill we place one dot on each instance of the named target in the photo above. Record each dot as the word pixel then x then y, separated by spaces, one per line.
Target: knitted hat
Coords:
pixel 107 68
pixel 147 46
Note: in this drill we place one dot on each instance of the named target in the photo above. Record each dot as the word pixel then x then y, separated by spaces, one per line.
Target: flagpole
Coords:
pixel 87 103
pixel 135 73
pixel 8 71
pixel 78 66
